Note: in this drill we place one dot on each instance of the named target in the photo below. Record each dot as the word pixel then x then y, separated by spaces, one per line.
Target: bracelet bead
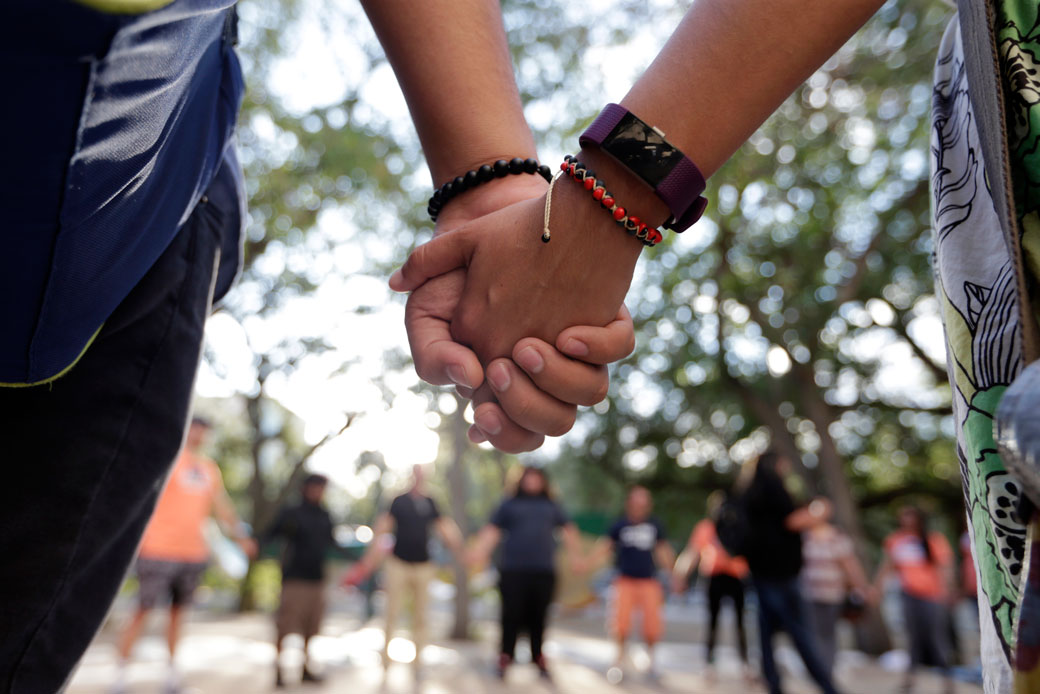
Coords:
pixel 630 223
pixel 483 174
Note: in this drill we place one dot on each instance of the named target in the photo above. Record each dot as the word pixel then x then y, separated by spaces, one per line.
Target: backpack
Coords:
pixel 733 526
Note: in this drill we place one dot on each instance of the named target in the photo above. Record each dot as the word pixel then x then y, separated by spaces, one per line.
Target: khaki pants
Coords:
pixel 402 579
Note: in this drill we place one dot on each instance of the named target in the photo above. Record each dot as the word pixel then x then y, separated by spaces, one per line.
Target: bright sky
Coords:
pixel 317 73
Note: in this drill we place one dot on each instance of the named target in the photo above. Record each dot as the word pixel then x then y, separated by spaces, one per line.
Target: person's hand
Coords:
pixel 248 546
pixel 354 576
pixel 474 559
pixel 535 392
pixel 515 285
pixel 679 584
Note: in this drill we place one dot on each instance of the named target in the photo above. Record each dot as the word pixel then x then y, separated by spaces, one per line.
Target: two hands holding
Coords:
pixel 524 328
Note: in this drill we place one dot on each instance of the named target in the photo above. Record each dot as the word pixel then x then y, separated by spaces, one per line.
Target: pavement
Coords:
pixel 232 653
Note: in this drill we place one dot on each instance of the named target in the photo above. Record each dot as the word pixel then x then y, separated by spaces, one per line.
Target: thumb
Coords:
pixel 443 254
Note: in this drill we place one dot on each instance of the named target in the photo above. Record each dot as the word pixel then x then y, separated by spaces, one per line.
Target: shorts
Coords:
pixel 160 579
pixel 644 594
pixel 301 608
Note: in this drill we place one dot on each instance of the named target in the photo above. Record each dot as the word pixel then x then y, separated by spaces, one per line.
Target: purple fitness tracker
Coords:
pixel 644 151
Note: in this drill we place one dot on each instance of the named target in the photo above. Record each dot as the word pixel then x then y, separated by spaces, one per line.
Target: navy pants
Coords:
pixel 780 608
pixel 84 459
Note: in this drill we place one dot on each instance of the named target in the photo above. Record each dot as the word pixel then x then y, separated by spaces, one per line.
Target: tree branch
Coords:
pixel 297 467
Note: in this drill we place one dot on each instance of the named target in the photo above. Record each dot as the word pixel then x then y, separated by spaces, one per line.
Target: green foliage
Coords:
pixel 816 251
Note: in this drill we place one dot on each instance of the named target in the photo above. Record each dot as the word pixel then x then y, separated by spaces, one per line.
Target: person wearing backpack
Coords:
pixel 725 574
pixel 774 555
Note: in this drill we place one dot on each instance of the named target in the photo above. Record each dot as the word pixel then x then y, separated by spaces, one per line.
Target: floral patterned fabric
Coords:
pixel 975 283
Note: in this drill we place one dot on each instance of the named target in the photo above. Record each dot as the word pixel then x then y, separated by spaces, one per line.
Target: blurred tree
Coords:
pixel 799 314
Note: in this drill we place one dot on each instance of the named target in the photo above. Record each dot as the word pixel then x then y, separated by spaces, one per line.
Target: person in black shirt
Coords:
pixel 408 521
pixel 640 545
pixel 528 521
pixel 774 555
pixel 306 530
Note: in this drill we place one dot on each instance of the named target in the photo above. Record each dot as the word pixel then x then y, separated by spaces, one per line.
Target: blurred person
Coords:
pixel 725 574
pixel 124 203
pixel 640 546
pixel 831 575
pixel 402 539
pixel 923 562
pixel 174 551
pixel 526 524
pixel 307 531
pixel 774 556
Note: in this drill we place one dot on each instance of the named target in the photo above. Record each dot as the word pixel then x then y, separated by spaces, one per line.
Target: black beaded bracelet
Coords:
pixel 471 179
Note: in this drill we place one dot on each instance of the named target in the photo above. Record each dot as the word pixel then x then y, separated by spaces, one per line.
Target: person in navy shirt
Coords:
pixel 640 546
pixel 526 524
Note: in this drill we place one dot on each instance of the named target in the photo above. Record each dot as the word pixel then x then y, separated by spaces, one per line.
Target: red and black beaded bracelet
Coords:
pixel 471 179
pixel 632 224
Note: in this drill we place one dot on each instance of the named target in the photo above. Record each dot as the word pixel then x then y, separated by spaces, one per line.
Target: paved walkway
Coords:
pixel 232 654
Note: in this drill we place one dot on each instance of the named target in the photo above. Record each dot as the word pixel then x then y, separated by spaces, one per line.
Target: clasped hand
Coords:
pixel 524 328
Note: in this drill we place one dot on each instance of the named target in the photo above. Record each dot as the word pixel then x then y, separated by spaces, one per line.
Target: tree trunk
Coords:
pixel 459 496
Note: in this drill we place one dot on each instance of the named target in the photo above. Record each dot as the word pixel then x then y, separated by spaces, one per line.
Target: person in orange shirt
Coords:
pixel 705 554
pixel 923 562
pixel 174 551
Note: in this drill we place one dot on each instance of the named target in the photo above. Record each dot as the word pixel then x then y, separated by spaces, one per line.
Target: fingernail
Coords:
pixel 575 348
pixel 530 360
pixel 498 377
pixel 396 279
pixel 457 374
pixel 488 423
pixel 476 435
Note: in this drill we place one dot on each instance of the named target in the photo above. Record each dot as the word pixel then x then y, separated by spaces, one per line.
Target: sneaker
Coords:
pixel 504 661
pixel 543 669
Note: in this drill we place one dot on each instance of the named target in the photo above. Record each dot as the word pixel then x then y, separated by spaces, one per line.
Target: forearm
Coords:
pixel 686 562
pixel 727 67
pixel 665 556
pixel 571 539
pixel 452 61
pixel 450 534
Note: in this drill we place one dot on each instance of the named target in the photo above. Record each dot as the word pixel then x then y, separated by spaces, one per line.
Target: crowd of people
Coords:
pixel 805 573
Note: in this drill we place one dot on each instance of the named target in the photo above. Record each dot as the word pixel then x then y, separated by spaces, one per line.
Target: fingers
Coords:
pixel 600 345
pixel 438 358
pixel 524 403
pixel 493 425
pixel 566 379
pixel 443 254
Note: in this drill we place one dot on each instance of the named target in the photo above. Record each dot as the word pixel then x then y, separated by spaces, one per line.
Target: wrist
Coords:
pixel 580 214
pixel 487 198
pixel 637 197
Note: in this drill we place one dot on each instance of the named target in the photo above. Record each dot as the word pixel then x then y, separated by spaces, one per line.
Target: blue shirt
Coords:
pixel 634 545
pixel 114 127
pixel 529 524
